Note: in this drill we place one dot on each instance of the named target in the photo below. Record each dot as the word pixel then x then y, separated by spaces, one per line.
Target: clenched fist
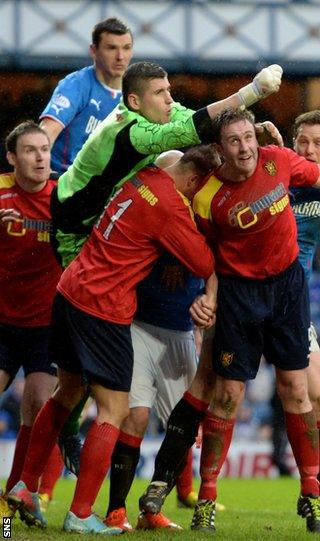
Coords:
pixel 266 82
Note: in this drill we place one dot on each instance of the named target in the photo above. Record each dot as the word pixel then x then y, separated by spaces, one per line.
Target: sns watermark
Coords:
pixel 6 527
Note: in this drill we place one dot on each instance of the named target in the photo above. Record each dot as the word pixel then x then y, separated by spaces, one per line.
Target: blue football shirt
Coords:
pixel 79 102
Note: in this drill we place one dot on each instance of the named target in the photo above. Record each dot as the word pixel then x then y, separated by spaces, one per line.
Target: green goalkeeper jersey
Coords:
pixel 121 145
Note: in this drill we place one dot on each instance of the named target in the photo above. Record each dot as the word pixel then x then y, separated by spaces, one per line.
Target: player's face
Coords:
pixel 156 101
pixel 113 54
pixel 307 142
pixel 239 147
pixel 31 161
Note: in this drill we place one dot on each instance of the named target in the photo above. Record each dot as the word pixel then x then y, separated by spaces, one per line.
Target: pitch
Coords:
pixel 257 510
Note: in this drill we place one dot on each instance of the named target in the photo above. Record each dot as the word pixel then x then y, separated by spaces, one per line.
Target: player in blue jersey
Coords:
pixel 306 207
pixel 306 202
pixel 78 104
pixel 85 97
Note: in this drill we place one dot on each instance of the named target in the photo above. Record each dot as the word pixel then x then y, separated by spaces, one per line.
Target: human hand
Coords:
pixel 268 134
pixel 9 215
pixel 203 311
pixel 266 82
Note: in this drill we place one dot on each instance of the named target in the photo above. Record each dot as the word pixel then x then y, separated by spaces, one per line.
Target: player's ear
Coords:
pixel 193 182
pixel 218 149
pixel 11 157
pixel 134 101
pixel 92 50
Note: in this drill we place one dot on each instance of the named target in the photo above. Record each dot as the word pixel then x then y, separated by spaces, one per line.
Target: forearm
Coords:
pixel 204 307
pixel 233 101
pixel 52 128
pixel 211 288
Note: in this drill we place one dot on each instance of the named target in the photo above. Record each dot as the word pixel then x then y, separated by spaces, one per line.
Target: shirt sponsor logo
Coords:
pixel 19 227
pixel 310 208
pixel 92 123
pixel 279 206
pixel 270 167
pixel 148 195
pixel 145 191
pixel 243 215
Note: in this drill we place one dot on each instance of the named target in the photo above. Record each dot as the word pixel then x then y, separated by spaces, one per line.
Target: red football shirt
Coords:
pixel 145 217
pixel 29 272
pixel 250 225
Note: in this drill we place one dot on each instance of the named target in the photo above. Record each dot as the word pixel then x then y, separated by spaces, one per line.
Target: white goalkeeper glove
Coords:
pixel 266 82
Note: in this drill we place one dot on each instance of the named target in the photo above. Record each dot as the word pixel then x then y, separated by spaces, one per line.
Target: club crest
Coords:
pixel 226 358
pixel 270 167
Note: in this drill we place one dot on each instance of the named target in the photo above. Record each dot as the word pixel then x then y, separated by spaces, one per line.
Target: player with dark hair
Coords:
pixel 78 105
pixel 92 314
pixel 85 97
pixel 263 308
pixel 28 277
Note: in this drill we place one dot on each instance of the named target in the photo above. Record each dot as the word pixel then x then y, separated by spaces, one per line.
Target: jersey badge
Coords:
pixel 226 358
pixel 61 101
pixel 271 167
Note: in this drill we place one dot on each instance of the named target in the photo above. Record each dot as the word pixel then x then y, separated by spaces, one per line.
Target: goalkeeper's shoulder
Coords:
pixel 180 112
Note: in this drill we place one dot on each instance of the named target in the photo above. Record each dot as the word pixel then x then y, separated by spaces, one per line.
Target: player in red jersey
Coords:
pixel 91 320
pixel 29 274
pixel 263 308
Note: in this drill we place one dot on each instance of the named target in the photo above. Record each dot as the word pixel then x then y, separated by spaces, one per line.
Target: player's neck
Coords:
pixel 112 82
pixel 29 185
pixel 232 174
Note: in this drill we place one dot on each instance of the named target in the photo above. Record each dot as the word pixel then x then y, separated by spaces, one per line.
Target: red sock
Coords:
pixel 195 402
pixel 128 439
pixel 22 443
pixel 51 472
pixel 304 439
pixel 184 480
pixel 94 464
pixel 45 430
pixel 216 440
